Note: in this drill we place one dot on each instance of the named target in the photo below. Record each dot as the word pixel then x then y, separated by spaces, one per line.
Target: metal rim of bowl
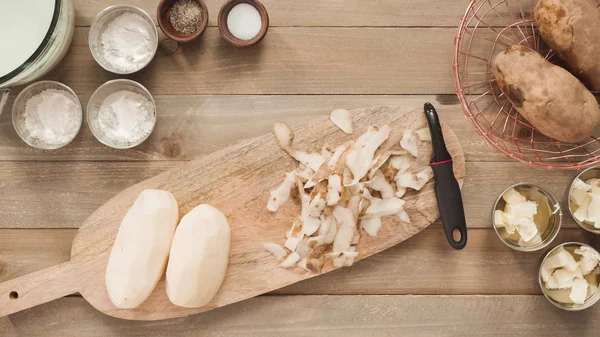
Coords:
pixel 582 225
pixel 27 89
pixel 110 9
pixel 554 203
pixel 559 305
pixel 107 84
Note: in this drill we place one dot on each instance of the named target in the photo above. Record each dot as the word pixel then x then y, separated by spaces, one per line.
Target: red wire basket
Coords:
pixel 487 28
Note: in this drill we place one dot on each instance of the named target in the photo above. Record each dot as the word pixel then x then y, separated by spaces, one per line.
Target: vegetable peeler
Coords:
pixel 447 191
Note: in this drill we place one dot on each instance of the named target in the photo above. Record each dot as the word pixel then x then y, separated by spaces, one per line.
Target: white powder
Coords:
pixel 127 42
pixel 244 21
pixel 53 117
pixel 126 117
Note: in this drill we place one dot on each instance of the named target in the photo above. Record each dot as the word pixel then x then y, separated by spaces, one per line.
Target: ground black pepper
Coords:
pixel 186 16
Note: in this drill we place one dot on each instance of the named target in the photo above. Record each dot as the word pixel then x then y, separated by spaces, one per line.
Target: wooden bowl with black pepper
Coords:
pixel 182 20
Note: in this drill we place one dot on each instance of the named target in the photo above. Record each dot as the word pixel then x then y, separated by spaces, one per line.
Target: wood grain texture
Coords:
pixel 329 13
pixel 63 195
pixel 331 316
pixel 191 126
pixel 290 60
pixel 422 265
pixel 236 181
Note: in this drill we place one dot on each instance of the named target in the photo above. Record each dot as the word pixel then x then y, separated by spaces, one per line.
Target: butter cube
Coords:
pixel 525 209
pixel 578 291
pixel 589 259
pixel 579 196
pixel 499 218
pixel 537 239
pixel 527 229
pixel 581 213
pixel 546 274
pixel 593 212
pixel 512 197
pixel 581 185
pixel 560 258
pixel 554 284
pixel 564 276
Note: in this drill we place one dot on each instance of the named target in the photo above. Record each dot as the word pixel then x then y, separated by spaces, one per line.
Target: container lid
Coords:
pixel 25 27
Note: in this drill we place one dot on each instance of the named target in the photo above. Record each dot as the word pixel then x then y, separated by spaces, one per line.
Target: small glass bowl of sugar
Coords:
pixel 121 114
pixel 47 115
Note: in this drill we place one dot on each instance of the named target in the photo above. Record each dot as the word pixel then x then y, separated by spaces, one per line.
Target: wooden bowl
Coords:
pixel 162 15
pixel 224 29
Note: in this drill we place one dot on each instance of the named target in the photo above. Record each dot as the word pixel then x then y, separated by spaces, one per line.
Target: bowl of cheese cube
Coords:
pixel 569 276
pixel 584 199
pixel 526 217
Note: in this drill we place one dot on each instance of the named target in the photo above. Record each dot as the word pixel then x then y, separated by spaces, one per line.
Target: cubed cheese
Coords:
pixel 522 209
pixel 546 274
pixel 589 259
pixel 512 196
pixel 578 291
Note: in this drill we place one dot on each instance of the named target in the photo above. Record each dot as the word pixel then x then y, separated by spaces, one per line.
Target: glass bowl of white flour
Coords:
pixel 123 39
pixel 47 115
pixel 121 114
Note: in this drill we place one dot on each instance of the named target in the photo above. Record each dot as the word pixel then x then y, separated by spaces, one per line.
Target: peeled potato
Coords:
pixel 199 257
pixel 139 255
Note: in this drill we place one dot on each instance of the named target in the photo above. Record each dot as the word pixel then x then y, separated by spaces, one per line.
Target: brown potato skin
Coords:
pixel 553 100
pixel 572 29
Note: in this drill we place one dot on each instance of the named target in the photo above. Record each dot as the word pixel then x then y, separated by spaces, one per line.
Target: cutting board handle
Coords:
pixel 41 286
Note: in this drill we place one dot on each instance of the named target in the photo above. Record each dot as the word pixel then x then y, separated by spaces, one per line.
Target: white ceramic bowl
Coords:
pixel 99 25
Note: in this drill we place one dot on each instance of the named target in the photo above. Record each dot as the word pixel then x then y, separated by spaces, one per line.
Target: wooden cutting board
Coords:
pixel 237 181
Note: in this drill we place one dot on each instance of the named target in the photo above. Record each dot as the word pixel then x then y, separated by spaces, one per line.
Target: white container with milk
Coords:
pixel 34 37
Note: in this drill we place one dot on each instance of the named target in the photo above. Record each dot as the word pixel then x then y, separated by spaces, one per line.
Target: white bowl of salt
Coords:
pixel 47 115
pixel 121 114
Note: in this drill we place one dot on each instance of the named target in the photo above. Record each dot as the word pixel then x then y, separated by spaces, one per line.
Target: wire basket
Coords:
pixel 487 28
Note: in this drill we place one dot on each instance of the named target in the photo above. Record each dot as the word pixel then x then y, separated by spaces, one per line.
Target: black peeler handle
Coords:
pixel 447 190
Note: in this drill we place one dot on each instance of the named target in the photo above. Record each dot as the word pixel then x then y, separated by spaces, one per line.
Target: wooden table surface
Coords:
pixel 318 55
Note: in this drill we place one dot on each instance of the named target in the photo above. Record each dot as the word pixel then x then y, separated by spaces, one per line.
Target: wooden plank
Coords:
pixel 293 60
pixel 332 316
pixel 63 194
pixel 191 126
pixel 424 264
pixel 324 13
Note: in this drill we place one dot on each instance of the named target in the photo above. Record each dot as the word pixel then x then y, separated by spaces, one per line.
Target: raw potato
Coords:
pixel 570 28
pixel 139 255
pixel 199 257
pixel 549 97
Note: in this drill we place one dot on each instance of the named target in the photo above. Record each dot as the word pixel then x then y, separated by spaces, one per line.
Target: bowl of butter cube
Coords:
pixel 569 276
pixel 584 199
pixel 526 217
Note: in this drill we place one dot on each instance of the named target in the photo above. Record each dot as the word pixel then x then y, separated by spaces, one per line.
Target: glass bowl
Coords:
pixel 95 102
pixel 20 104
pixel 566 306
pixel 554 222
pixel 99 25
pixel 590 173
